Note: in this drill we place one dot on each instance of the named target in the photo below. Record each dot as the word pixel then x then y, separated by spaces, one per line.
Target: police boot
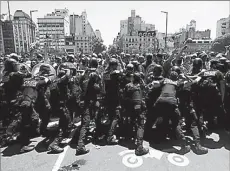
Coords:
pixel 54 148
pixel 184 148
pixel 199 149
pixel 27 148
pixel 140 151
pixel 81 150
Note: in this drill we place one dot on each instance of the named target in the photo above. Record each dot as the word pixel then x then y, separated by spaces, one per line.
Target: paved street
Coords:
pixel 114 158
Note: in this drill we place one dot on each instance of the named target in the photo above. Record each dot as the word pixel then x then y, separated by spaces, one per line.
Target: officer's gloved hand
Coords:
pixel 96 86
pixel 81 104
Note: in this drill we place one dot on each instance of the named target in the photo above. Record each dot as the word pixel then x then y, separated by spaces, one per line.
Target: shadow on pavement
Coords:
pixel 224 141
pixel 11 150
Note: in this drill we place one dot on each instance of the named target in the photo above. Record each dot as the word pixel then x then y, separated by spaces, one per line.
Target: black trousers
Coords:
pixel 192 121
pixel 134 110
pixel 166 107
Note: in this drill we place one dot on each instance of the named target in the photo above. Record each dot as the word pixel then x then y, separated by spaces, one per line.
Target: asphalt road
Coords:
pixel 162 157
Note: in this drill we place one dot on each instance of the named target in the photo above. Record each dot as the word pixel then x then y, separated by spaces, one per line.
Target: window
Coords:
pixel 149 40
pixel 127 45
pixel 199 42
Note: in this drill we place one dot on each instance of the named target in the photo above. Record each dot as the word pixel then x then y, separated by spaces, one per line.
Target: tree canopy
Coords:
pixel 98 46
pixel 218 45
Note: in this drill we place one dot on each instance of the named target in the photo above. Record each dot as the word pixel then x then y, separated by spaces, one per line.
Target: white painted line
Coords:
pixel 62 155
pixel 60 159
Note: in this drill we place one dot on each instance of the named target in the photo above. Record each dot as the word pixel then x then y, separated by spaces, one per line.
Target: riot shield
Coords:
pixel 71 66
pixel 36 69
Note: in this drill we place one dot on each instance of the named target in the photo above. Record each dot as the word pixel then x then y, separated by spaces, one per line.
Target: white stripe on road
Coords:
pixel 60 159
pixel 62 155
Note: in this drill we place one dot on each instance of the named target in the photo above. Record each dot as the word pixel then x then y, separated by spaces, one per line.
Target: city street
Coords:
pixel 114 158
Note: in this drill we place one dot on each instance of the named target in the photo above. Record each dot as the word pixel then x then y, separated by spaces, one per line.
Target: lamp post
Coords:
pixel 32 35
pixel 166 28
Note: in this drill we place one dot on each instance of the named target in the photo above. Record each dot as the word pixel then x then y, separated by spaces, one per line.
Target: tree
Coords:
pixel 98 46
pixel 112 49
pixel 218 45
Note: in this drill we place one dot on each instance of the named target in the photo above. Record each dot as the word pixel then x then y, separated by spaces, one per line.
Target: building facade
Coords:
pixel 81 35
pixel 98 34
pixel 190 32
pixel 52 30
pixel 140 42
pixel 198 45
pixel 2 51
pixel 222 27
pixel 24 32
pixel 8 36
pixel 136 36
pixel 191 25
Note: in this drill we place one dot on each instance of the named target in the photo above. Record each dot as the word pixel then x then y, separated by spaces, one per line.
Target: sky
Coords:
pixel 106 15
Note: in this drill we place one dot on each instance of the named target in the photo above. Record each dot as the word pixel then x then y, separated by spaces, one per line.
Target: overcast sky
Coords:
pixel 106 15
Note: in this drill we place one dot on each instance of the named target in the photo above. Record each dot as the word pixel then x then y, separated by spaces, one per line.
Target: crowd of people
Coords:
pixel 151 97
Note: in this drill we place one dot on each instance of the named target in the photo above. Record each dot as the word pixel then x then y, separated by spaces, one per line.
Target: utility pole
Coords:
pixel 9 10
pixel 32 34
pixel 166 28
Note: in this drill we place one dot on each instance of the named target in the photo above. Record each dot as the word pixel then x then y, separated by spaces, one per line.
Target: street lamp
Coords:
pixel 166 28
pixel 31 11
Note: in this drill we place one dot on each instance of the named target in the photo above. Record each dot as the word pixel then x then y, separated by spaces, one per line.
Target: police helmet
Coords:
pixel 93 62
pixel 113 61
pixel 44 68
pixel 94 55
pixel 10 64
pixel 197 62
pixel 173 75
pixel 157 70
pixel 176 69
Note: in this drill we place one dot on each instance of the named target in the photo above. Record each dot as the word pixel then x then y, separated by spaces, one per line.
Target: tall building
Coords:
pixel 82 35
pixel 24 32
pixel 134 24
pixel 200 39
pixel 98 34
pixel 222 27
pixel 53 28
pixel 191 25
pixel 124 27
pixel 8 36
pixel 136 36
pixel 2 51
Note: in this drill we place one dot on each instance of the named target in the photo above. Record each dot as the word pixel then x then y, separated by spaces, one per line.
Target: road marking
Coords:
pixel 60 159
pixel 132 161
pixel 154 154
pixel 178 160
pixel 62 155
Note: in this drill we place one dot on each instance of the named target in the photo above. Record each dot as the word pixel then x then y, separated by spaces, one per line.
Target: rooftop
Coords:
pixel 21 14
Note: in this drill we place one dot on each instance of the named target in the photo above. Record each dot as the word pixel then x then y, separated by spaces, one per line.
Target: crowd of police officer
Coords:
pixel 123 95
